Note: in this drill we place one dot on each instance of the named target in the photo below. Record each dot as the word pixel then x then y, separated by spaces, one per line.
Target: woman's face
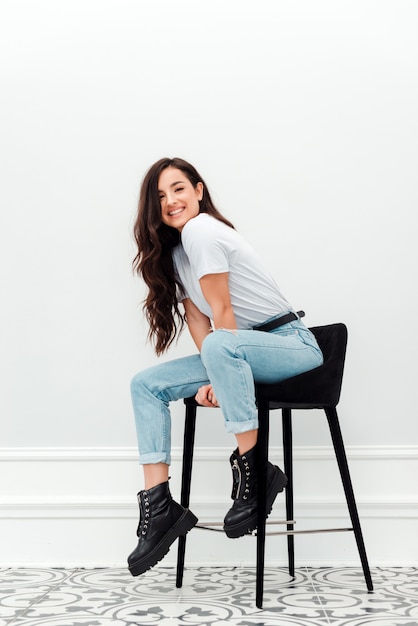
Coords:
pixel 179 199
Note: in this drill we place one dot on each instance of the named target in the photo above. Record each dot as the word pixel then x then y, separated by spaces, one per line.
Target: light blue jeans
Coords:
pixel 231 361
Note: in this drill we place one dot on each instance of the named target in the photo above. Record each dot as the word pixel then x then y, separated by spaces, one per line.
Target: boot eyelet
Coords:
pixel 244 497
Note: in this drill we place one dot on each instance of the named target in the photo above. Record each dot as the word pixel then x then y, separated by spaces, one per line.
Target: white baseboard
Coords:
pixel 76 507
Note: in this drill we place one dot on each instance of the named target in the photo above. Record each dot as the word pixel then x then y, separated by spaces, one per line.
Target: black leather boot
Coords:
pixel 242 517
pixel 161 522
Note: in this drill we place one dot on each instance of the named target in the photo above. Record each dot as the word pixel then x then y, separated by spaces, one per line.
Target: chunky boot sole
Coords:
pixel 185 523
pixel 248 525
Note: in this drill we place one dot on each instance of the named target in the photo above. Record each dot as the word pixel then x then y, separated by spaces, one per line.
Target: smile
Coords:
pixel 176 212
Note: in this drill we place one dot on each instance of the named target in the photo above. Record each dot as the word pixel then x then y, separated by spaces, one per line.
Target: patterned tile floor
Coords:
pixel 209 596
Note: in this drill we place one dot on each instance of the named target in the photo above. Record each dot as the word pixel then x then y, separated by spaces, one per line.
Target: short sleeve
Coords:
pixel 205 247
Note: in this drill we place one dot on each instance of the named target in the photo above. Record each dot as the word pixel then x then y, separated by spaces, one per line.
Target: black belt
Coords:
pixel 284 319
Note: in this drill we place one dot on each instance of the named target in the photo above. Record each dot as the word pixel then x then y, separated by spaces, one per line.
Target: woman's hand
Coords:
pixel 206 397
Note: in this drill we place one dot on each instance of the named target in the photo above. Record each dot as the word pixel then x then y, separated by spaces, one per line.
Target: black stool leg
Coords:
pixel 186 478
pixel 262 457
pixel 288 470
pixel 337 440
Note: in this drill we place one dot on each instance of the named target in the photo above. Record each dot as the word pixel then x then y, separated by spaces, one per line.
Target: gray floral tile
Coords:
pixel 210 595
pixel 21 588
pixel 346 601
pixel 376 621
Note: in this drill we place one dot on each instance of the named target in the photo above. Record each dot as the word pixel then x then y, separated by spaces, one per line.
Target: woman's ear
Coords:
pixel 199 191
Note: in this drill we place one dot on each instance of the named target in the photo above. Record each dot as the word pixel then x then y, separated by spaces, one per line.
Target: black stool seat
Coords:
pixel 317 389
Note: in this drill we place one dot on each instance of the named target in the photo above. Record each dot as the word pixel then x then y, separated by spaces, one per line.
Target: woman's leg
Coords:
pixel 155 474
pixel 246 441
pixel 233 360
pixel 162 520
pixel 152 391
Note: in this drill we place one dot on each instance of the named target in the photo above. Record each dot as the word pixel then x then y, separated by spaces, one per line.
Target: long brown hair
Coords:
pixel 154 261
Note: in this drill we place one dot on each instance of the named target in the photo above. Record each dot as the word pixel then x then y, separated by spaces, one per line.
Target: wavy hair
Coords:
pixel 154 262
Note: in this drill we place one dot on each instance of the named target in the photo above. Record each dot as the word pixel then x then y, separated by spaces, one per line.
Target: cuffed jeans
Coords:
pixel 231 360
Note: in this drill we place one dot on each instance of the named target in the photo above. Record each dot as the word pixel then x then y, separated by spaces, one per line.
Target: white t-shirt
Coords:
pixel 209 246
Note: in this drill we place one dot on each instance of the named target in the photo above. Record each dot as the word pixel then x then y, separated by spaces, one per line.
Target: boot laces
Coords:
pixel 247 474
pixel 241 479
pixel 144 509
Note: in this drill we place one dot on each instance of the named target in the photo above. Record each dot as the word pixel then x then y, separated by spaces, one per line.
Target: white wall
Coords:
pixel 301 117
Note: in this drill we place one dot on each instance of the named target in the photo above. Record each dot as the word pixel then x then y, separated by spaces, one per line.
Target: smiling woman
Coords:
pixel 156 240
pixel 189 255
pixel 179 199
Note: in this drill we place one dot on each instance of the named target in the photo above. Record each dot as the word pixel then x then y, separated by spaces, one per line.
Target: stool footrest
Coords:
pixel 218 526
pixel 308 532
pixel 268 523
pixel 215 527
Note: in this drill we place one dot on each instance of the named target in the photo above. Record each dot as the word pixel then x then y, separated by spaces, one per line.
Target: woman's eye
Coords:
pixel 179 188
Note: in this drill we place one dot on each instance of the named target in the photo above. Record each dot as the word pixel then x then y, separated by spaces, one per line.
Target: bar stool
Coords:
pixel 317 389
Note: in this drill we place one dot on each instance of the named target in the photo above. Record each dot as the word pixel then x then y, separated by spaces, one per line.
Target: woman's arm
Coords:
pixel 198 323
pixel 215 288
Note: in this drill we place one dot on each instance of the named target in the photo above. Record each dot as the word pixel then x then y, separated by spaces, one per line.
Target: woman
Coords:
pixel 189 253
